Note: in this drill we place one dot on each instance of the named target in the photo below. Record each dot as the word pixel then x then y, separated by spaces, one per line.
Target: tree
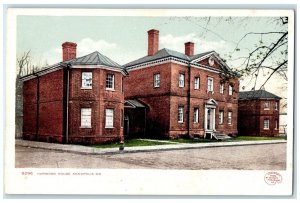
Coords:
pixel 263 59
pixel 25 67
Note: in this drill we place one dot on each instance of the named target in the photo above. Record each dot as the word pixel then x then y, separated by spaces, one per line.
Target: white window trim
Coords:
pixel 267 108
pixel 156 81
pixel 222 88
pixel 229 113
pixel 82 83
pixel 222 118
pixel 196 112
pixel 81 118
pixel 106 118
pixel 197 85
pixel 178 113
pixel 276 105
pixel 181 82
pixel 212 84
pixel 113 82
pixel 268 124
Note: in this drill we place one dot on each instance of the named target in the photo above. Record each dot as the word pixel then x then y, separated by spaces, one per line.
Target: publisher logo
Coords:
pixel 273 178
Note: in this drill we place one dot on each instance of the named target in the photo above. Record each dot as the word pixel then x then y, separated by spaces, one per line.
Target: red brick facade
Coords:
pixel 43 108
pixel 54 100
pixel 253 117
pixel 163 101
pixel 98 99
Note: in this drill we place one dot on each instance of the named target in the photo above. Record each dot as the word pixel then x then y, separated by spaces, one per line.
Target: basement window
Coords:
pixel 86 117
pixel 86 80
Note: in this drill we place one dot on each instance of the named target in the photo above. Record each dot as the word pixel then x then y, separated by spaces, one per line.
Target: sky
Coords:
pixel 124 38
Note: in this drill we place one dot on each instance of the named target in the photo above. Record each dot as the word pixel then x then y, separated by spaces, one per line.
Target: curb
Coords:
pixel 78 149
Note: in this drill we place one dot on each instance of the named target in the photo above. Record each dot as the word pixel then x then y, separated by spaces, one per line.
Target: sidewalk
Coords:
pixel 91 150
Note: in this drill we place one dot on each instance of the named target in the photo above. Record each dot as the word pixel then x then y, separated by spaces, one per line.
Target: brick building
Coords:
pixel 258 113
pixel 79 100
pixel 182 93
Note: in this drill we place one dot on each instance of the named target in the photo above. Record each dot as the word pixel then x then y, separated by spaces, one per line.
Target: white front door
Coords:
pixel 209 119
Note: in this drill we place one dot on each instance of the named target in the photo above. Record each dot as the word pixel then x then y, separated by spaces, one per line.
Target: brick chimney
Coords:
pixel 69 50
pixel 153 36
pixel 189 48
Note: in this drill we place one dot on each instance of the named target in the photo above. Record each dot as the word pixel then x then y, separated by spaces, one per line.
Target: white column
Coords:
pixel 213 119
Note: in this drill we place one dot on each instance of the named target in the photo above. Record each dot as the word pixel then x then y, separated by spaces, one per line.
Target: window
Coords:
pixel 86 80
pixel 156 81
pixel 86 116
pixel 110 81
pixel 276 124
pixel 180 114
pixel 266 123
pixel 196 115
pixel 221 117
pixel 210 84
pixel 197 83
pixel 267 105
pixel 222 88
pixel 229 117
pixel 109 118
pixel 181 80
pixel 230 89
pixel 276 105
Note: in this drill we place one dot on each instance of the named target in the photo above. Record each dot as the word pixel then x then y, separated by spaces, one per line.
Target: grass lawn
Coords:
pixel 141 142
pixel 195 140
pixel 130 143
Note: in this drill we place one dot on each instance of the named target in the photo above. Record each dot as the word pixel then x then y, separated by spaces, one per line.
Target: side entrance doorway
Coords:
pixel 134 119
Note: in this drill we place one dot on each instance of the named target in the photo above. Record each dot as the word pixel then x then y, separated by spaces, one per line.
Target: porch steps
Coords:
pixel 221 136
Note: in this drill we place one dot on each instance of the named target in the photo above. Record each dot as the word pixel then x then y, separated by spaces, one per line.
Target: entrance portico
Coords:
pixel 210 117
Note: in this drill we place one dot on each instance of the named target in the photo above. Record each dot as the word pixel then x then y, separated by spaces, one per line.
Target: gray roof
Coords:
pixel 200 55
pixel 134 103
pixel 257 94
pixel 94 58
pixel 160 54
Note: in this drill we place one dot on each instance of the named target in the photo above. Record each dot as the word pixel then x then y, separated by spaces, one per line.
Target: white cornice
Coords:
pixel 171 60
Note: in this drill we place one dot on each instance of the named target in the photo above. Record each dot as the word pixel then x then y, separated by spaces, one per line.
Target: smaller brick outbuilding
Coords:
pixel 79 100
pixel 258 113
